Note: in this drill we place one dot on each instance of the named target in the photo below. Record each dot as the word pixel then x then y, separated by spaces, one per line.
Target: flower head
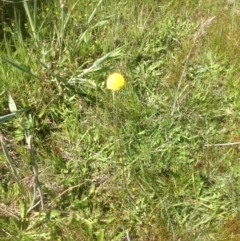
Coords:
pixel 115 82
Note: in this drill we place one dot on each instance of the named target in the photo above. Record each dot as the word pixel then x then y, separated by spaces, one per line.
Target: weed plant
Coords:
pixel 175 175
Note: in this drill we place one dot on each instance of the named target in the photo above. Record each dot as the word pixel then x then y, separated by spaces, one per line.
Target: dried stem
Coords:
pixel 201 31
pixel 224 144
pixel 37 184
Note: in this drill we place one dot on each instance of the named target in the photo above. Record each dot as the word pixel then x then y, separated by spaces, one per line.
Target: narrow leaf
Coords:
pixel 94 12
pixel 115 54
pixel 6 117
pixel 23 69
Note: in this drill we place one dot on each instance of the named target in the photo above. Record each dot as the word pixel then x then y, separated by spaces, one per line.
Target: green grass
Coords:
pixel 156 173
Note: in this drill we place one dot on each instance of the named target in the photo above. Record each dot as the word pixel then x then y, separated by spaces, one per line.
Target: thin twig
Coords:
pixel 10 214
pixel 201 31
pixel 68 189
pixel 33 206
pixel 128 236
pixel 34 168
pixel 224 144
pixel 11 165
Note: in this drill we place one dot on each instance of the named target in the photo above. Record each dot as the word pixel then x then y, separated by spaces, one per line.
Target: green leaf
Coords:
pixel 94 12
pixel 54 213
pixel 97 65
pixel 100 235
pixel 22 68
pixel 6 117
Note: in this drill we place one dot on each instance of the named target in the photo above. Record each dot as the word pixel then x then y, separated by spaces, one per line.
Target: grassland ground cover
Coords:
pixel 161 161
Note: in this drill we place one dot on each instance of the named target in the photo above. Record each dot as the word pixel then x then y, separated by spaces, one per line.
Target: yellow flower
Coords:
pixel 115 82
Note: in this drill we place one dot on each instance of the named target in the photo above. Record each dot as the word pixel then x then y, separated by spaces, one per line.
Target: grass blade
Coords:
pixel 23 69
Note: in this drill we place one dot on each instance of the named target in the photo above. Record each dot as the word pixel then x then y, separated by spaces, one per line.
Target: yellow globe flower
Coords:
pixel 115 82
